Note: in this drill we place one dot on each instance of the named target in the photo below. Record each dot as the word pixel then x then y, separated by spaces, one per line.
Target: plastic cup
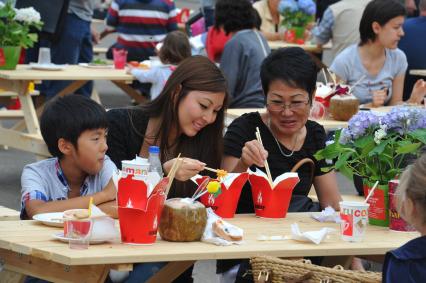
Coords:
pixel 78 233
pixel 120 58
pixel 354 219
pixel 44 55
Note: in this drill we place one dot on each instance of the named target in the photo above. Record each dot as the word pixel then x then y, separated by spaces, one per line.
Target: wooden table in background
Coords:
pixel 307 47
pixel 328 124
pixel 418 72
pixel 18 81
pixel 28 247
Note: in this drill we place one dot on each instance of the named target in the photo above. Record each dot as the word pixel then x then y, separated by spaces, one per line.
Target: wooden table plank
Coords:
pixel 70 73
pixel 419 72
pixel 378 241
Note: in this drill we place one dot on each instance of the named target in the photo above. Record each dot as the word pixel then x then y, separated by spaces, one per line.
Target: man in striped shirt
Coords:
pixel 140 25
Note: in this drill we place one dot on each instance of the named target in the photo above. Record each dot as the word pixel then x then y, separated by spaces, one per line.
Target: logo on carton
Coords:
pixel 347 222
pixel 356 212
pixel 136 171
pixel 211 200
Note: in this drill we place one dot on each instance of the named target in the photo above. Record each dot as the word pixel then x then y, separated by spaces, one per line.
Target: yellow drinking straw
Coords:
pixel 90 206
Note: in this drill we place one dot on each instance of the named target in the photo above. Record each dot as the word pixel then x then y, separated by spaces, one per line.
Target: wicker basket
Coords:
pixel 281 270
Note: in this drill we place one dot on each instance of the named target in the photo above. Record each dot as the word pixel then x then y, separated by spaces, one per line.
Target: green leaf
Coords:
pixel 342 160
pixel 408 148
pixel 380 147
pixel 419 135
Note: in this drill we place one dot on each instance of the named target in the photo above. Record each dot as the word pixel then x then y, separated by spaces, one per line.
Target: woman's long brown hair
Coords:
pixel 194 73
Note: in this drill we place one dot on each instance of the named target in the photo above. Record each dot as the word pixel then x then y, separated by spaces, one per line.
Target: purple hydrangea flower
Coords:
pixel 405 119
pixel 360 123
pixel 307 6
pixel 290 5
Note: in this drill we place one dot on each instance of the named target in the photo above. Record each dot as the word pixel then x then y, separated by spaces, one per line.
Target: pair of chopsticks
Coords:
pixel 268 172
pixel 178 162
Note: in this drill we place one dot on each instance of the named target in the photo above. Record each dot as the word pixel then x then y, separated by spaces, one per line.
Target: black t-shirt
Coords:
pixel 127 127
pixel 243 129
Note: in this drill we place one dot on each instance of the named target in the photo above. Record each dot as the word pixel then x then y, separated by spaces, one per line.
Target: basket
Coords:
pixel 276 270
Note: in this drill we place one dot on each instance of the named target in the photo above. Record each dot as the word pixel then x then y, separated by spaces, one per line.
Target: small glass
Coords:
pixel 120 58
pixel 44 55
pixel 78 233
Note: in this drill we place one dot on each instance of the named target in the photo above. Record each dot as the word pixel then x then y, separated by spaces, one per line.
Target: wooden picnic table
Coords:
pixel 418 72
pixel 309 47
pixel 28 247
pixel 18 81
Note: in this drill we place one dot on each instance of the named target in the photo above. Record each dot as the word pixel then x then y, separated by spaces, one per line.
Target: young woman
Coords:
pixel 187 118
pixel 408 263
pixel 376 61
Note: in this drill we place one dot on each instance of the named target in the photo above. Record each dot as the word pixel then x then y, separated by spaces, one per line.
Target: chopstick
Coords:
pixel 211 169
pixel 172 173
pixel 357 82
pixel 268 172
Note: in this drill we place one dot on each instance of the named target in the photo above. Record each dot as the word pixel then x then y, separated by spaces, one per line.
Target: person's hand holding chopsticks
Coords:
pixel 253 153
pixel 188 168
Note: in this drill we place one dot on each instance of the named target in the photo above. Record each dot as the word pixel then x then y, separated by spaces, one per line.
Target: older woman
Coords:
pixel 288 79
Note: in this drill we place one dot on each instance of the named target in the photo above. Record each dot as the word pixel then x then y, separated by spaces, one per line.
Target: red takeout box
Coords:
pixel 139 212
pixel 272 202
pixel 225 204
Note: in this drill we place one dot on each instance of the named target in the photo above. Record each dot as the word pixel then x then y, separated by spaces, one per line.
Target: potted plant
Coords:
pixel 296 16
pixel 16 30
pixel 377 148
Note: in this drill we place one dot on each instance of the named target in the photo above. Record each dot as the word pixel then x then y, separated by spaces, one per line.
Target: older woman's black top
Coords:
pixel 127 127
pixel 243 129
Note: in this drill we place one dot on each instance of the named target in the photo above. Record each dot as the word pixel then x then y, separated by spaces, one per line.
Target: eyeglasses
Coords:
pixel 276 106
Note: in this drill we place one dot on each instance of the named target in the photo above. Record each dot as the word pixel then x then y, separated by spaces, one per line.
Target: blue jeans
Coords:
pixel 74 46
pixel 143 271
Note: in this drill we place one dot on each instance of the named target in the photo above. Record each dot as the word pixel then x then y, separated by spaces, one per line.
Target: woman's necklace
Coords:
pixel 278 144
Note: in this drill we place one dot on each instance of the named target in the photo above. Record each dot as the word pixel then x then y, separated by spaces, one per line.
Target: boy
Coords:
pixel 74 128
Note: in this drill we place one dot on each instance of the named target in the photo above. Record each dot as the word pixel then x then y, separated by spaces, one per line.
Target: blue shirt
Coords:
pixel 406 264
pixel 323 32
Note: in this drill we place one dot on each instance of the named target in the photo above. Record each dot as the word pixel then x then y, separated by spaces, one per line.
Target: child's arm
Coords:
pixel 36 206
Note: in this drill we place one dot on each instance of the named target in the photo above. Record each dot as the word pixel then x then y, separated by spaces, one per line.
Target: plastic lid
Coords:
pixel 154 149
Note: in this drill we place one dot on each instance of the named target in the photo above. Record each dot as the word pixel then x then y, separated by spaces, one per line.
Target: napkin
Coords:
pixel 103 226
pixel 210 237
pixel 326 215
pixel 310 236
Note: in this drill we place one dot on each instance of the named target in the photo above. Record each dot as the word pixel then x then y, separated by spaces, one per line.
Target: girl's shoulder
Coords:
pixel 396 55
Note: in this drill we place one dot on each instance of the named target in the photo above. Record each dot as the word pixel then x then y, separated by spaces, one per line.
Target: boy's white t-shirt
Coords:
pixel 157 75
pixel 44 180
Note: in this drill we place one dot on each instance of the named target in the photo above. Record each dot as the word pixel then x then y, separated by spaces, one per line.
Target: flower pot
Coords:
pixel 294 34
pixel 9 57
pixel 378 212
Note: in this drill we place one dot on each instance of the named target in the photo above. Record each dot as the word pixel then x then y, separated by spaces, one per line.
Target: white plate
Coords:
pixel 96 66
pixel 60 236
pixel 50 219
pixel 47 67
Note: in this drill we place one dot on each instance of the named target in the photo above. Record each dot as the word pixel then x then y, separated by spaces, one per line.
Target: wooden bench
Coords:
pixel 7 276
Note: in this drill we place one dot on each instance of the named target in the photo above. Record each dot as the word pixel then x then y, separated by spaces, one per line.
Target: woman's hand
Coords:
pixel 379 97
pixel 419 92
pixel 188 168
pixel 253 153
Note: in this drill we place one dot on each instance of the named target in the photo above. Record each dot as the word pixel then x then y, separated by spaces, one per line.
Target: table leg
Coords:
pixel 171 271
pixel 131 92
pixel 52 271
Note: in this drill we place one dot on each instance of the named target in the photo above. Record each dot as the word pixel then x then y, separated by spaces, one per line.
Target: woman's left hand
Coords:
pixel 188 168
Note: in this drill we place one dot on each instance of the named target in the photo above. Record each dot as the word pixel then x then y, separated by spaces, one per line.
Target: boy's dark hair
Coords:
pixel 291 65
pixel 257 19
pixel 175 48
pixel 380 11
pixel 234 15
pixel 68 117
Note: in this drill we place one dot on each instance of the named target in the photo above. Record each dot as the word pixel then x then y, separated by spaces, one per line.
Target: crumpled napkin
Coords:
pixel 210 237
pixel 310 236
pixel 327 215
pixel 103 226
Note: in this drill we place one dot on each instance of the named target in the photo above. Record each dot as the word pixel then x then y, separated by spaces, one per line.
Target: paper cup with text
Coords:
pixel 354 219
pixel 138 166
